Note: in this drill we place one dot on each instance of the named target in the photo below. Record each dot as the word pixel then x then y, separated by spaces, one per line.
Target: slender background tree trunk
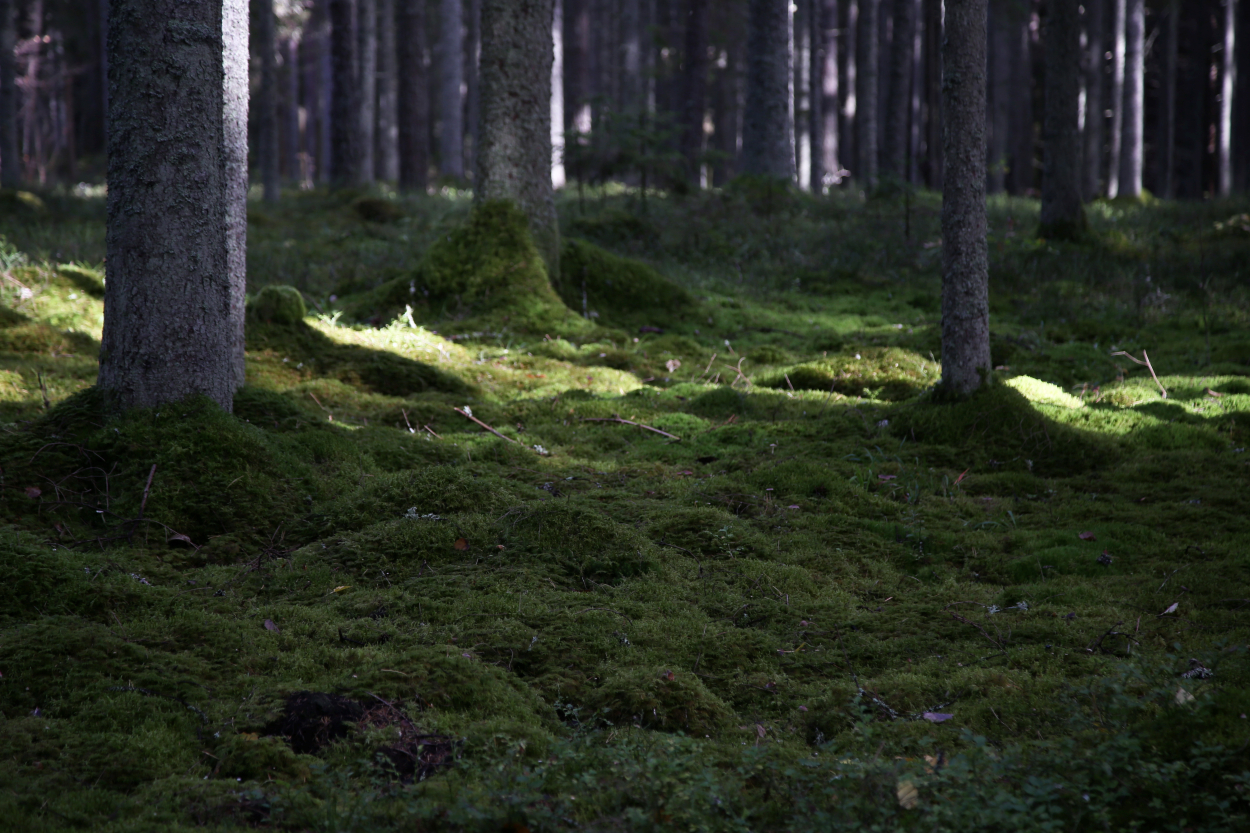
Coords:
pixel 1000 95
pixel 694 89
pixel 450 80
pixel 173 310
pixel 367 78
pixel 1094 64
pixel 1167 115
pixel 767 143
pixel 10 161
pixel 1228 84
pixel 1132 152
pixel 267 100
pixel 386 146
pixel 867 66
pixel 933 92
pixel 1119 15
pixel 412 106
pixel 965 256
pixel 1063 214
pixel 514 162
pixel 902 58
pixel 344 117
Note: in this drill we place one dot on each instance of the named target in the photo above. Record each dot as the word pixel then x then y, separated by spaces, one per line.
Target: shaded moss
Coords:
pixel 278 305
pixel 617 290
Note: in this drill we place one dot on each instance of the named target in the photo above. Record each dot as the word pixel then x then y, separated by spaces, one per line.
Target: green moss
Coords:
pixel 21 203
pixel 278 305
pixel 662 699
pixel 888 374
pixel 377 209
pixel 617 290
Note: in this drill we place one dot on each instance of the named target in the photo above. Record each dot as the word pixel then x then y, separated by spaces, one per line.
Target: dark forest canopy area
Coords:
pixel 705 474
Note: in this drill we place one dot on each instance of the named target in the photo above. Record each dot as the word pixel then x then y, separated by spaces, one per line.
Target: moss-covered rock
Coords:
pixel 278 305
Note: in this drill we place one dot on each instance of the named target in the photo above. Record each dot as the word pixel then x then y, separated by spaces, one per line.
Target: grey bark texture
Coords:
pixel 413 105
pixel 867 96
pixel 965 256
pixel 514 162
pixel 823 112
pixel 767 135
pixel 10 163
pixel 450 79
pixel 1132 139
pixel 367 78
pixel 1093 66
pixel 177 223
pixel 1119 13
pixel 386 141
pixel 897 135
pixel 694 88
pixel 1228 83
pixel 267 100
pixel 344 119
pixel 1063 214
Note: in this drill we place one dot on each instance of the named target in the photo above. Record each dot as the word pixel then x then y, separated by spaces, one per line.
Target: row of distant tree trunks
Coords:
pixel 864 97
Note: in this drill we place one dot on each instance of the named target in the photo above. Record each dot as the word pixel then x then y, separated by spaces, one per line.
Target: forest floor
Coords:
pixel 685 544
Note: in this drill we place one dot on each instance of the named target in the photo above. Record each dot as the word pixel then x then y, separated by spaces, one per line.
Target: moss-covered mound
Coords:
pixel 277 304
pixel 999 428
pixel 889 374
pixel 82 474
pixel 619 291
pixel 486 275
pixel 660 698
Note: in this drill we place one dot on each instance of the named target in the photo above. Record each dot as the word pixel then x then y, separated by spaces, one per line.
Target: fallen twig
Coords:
pixel 1111 631
pixel 431 430
pixel 1147 365
pixel 143 503
pixel 411 430
pixel 469 416
pixel 998 643
pixel 631 422
pixel 322 407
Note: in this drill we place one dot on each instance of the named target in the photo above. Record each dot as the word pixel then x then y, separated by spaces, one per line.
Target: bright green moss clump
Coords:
pixel 278 305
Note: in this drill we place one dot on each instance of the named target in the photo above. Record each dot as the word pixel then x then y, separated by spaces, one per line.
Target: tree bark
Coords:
pixel 367 81
pixel 10 161
pixel 1021 174
pixel 823 77
pixel 694 89
pixel 933 92
pixel 451 77
pixel 902 46
pixel 386 145
pixel 514 162
pixel 1228 84
pixel 1115 140
pixel 267 100
pixel 472 81
pixel 965 257
pixel 576 42
pixel 867 60
pixel 1132 147
pixel 291 110
pixel 1000 95
pixel 413 104
pixel 1063 215
pixel 1094 68
pixel 558 174
pixel 727 94
pixel 1241 101
pixel 345 139
pixel 631 35
pixel 767 144
pixel 177 223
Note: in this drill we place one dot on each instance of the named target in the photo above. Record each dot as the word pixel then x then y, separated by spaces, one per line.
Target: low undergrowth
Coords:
pixel 713 561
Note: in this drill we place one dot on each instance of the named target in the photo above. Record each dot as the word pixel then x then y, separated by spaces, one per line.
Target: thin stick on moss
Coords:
pixel 1147 365
pixel 617 419
pixel 483 424
pixel 431 430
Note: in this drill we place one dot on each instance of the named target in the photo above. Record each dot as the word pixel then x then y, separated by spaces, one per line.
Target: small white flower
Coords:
pixel 467 410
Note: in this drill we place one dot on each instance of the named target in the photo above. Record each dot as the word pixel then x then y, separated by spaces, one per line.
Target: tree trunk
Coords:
pixel 1063 215
pixel 177 222
pixel 1228 79
pixel 823 97
pixel 727 97
pixel 1132 151
pixel 694 89
pixel 386 145
pixel 413 105
pixel 902 46
pixel 472 81
pixel 10 161
pixel 557 96
pixel 915 133
pixel 1094 64
pixel 1116 105
pixel 450 79
pixel 345 149
pixel 848 25
pixel 965 257
pixel 514 162
pixel 933 92
pixel 867 59
pixel 632 87
pixel 367 78
pixel 1167 115
pixel 767 144
pixel 1021 174
pixel 576 42
pixel 1241 101
pixel 267 100
pixel 291 122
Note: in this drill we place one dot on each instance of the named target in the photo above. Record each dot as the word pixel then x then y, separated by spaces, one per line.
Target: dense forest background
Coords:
pixel 657 89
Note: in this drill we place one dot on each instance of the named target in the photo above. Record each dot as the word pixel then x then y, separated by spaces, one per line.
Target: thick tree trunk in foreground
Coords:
pixel 514 162
pixel 177 174
pixel 413 105
pixel 386 143
pixel 450 79
pixel 1132 148
pixel 1093 63
pixel 867 72
pixel 902 56
pixel 965 257
pixel 267 100
pixel 767 143
pixel 10 164
pixel 344 120
pixel 1062 212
